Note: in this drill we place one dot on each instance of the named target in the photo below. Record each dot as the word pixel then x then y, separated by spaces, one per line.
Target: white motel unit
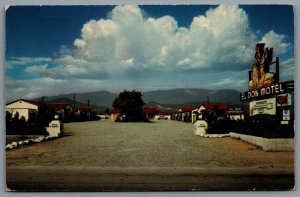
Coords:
pixel 26 108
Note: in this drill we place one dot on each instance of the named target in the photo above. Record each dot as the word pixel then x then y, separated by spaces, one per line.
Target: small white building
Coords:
pixel 26 108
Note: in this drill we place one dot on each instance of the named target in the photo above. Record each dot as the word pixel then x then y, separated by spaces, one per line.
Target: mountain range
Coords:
pixel 167 98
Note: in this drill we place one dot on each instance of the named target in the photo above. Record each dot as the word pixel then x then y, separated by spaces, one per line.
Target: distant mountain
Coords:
pixel 100 98
pixel 180 96
pixel 171 99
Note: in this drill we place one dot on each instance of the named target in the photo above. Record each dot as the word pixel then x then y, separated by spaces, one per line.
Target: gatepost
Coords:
pixel 56 127
pixel 200 127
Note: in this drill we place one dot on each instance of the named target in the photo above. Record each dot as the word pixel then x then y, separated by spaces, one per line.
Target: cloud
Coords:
pixel 28 60
pixel 65 50
pixel 275 41
pixel 131 49
pixel 39 70
pixel 287 69
pixel 158 43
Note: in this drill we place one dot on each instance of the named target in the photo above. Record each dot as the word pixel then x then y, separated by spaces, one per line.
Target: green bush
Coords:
pixel 16 125
pixel 221 126
pixel 265 126
pixel 260 125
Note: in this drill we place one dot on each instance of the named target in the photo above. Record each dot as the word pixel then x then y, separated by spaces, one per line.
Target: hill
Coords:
pixel 100 98
pixel 173 98
pixel 181 96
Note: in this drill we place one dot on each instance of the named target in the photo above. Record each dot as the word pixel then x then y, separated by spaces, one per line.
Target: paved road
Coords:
pixel 164 155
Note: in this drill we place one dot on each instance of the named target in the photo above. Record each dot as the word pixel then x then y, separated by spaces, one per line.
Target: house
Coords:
pixel 210 109
pixel 185 114
pixel 26 108
pixel 163 115
pixel 30 109
pixel 150 112
pixel 215 106
pixel 63 110
pixel 83 113
pixel 114 114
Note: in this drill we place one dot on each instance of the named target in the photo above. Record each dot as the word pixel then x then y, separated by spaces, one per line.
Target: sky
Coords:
pixel 53 50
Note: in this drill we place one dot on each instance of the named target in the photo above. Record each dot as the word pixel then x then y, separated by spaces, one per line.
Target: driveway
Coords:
pixel 163 155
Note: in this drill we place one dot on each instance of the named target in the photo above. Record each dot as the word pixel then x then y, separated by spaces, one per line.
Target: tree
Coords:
pixel 130 104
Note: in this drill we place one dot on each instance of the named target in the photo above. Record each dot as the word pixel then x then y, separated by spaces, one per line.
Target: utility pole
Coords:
pixel 277 70
pixel 74 105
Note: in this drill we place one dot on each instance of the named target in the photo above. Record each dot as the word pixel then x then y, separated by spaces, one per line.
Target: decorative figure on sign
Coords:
pixel 261 77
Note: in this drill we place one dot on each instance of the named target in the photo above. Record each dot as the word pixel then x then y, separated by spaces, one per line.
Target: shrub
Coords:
pixel 16 125
pixel 221 126
pixel 261 125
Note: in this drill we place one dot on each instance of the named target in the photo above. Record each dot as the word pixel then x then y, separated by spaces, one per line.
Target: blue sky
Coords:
pixel 65 49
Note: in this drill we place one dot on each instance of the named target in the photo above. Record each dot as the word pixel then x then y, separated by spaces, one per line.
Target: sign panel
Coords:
pixel 286 114
pixel 284 100
pixel 284 122
pixel 263 92
pixel 265 106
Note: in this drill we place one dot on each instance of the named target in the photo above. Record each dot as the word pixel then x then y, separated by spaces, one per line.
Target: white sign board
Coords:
pixel 286 114
pixel 265 106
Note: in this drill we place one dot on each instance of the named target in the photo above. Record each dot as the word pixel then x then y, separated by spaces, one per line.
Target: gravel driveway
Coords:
pixel 163 155
pixel 162 143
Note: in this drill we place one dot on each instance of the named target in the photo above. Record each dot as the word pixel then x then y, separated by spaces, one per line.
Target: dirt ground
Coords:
pixel 162 147
pixel 159 144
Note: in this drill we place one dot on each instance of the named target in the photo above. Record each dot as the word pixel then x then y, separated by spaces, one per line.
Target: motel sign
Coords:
pixel 265 91
pixel 266 95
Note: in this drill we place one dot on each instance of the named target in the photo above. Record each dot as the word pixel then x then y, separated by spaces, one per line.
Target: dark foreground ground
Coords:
pixel 164 155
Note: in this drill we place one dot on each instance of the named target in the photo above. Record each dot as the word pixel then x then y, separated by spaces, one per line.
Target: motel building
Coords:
pixel 266 94
pixel 185 113
pixel 63 110
pixel 163 115
pixel 150 112
pixel 114 114
pixel 198 113
pixel 26 108
pixel 83 113
pixel 30 109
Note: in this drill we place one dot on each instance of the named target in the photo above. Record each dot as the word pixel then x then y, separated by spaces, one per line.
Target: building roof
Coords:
pixel 222 106
pixel 115 111
pixel 186 109
pixel 27 101
pixel 149 110
pixel 57 106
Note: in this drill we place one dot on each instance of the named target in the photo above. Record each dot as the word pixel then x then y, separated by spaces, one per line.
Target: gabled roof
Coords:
pixel 186 109
pixel 56 106
pixel 27 101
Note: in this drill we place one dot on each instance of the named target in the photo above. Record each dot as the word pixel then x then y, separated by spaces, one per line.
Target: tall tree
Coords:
pixel 130 104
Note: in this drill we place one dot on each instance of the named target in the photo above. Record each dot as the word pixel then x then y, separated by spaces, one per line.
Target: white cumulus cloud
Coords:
pixel 275 41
